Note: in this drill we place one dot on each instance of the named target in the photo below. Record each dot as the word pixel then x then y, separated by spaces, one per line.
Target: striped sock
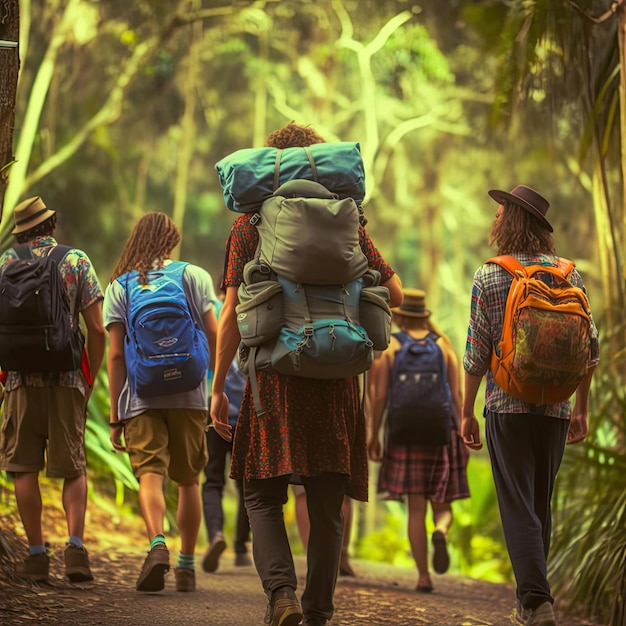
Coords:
pixel 186 561
pixel 157 540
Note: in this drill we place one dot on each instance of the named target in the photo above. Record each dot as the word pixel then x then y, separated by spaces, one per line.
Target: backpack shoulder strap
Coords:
pixel 58 252
pixel 175 268
pixel 23 251
pixel 566 266
pixel 509 263
pixel 402 336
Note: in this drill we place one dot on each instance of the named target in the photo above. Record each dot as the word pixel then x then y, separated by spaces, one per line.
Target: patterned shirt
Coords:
pixel 489 295
pixel 83 288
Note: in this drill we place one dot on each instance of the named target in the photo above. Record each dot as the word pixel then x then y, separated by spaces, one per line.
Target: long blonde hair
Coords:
pixel 150 242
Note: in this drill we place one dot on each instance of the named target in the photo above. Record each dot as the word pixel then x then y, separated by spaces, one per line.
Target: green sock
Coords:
pixel 157 540
pixel 186 561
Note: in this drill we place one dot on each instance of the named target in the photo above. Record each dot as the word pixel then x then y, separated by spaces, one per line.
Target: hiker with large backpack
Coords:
pixel 416 383
pixel 44 287
pixel 532 334
pixel 299 428
pixel 160 317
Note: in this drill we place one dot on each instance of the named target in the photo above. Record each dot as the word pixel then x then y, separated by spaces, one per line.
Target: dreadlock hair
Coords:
pixel 44 229
pixel 517 231
pixel 292 136
pixel 151 241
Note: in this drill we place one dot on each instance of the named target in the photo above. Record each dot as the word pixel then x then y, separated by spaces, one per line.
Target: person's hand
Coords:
pixel 374 450
pixel 578 428
pixel 470 432
pixel 116 431
pixel 219 416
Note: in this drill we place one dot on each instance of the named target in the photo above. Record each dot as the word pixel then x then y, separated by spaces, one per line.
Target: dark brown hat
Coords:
pixel 413 305
pixel 29 214
pixel 528 199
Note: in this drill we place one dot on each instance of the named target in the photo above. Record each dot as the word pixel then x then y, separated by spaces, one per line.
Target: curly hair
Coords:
pixel 151 241
pixel 292 136
pixel 517 231
pixel 44 229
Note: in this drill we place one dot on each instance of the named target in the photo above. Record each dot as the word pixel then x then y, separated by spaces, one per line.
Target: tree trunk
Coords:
pixel 9 70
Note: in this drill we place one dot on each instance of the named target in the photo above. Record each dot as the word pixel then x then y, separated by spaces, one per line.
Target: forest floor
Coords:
pixel 380 594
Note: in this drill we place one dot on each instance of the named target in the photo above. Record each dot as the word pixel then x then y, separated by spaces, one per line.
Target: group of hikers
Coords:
pixel 298 415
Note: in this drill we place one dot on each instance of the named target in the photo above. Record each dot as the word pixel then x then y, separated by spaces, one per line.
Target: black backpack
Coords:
pixel 420 409
pixel 36 334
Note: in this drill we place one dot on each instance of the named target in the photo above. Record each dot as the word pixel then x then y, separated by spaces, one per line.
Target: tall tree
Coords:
pixel 9 72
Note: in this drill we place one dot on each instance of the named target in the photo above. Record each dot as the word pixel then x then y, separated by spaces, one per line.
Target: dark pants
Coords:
pixel 213 488
pixel 526 452
pixel 272 553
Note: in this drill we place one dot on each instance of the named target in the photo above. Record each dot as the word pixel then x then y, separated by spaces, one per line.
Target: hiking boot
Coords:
pixel 35 567
pixel 543 615
pixel 314 621
pixel 185 579
pixel 242 559
pixel 345 569
pixel 152 576
pixel 441 558
pixel 284 609
pixel 77 564
pixel 211 558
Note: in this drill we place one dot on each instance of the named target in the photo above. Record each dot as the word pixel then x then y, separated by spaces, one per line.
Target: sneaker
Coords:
pixel 441 558
pixel 35 567
pixel 185 579
pixel 284 609
pixel 345 569
pixel 152 576
pixel 242 559
pixel 211 558
pixel 77 564
pixel 543 615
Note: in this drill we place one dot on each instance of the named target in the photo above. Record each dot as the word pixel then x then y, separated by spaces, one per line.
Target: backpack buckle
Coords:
pixel 255 219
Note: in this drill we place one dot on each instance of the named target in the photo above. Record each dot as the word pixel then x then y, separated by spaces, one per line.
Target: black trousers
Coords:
pixel 526 452
pixel 212 491
pixel 272 554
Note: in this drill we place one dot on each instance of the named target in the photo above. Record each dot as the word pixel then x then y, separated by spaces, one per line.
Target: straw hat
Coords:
pixel 413 305
pixel 29 214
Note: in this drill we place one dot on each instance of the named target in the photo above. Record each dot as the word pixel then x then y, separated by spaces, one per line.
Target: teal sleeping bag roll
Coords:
pixel 247 176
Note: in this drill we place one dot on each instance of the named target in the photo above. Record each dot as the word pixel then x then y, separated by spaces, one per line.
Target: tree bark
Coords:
pixel 9 70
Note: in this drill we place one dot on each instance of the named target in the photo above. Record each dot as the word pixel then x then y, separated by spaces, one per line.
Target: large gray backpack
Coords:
pixel 309 305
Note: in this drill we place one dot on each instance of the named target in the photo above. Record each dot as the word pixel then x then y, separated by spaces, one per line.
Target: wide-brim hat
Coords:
pixel 29 214
pixel 526 198
pixel 413 305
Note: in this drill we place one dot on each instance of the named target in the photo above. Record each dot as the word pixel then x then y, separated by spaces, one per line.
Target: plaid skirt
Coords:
pixel 437 472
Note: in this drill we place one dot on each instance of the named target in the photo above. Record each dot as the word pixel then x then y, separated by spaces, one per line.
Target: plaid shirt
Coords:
pixel 489 295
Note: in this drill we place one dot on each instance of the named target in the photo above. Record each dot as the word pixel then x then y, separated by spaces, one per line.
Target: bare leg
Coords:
pixel 417 537
pixel 29 504
pixel 347 522
pixel 302 519
pixel 189 516
pixel 442 516
pixel 75 504
pixel 152 503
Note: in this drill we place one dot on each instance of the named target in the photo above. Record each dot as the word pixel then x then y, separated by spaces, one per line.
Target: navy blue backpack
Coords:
pixel 420 408
pixel 166 351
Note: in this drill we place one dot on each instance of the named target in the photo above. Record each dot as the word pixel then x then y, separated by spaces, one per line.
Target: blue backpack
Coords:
pixel 420 408
pixel 166 351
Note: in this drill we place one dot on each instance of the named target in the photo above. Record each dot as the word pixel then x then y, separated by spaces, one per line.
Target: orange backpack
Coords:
pixel 545 348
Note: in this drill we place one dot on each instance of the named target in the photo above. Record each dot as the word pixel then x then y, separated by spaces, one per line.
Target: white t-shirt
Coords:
pixel 201 297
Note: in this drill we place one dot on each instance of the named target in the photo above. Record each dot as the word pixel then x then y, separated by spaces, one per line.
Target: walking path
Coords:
pixel 381 595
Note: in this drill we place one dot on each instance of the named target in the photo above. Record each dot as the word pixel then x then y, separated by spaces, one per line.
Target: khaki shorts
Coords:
pixel 169 442
pixel 40 423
